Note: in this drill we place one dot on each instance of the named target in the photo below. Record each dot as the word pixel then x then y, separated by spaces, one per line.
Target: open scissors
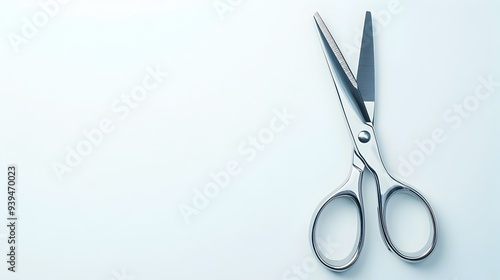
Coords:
pixel 357 98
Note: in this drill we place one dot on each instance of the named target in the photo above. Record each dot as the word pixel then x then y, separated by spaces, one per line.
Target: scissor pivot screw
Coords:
pixel 364 136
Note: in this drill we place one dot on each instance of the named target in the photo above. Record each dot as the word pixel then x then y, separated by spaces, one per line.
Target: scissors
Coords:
pixel 357 98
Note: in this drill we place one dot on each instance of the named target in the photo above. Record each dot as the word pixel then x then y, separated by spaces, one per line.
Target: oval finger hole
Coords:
pixel 408 222
pixel 337 228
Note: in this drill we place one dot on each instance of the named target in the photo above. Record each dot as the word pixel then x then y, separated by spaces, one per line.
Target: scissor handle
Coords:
pixel 384 198
pixel 351 190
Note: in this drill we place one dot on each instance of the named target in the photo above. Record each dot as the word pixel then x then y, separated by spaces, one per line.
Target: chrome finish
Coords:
pixel 366 155
pixel 366 66
pixel 351 190
pixel 364 136
pixel 341 73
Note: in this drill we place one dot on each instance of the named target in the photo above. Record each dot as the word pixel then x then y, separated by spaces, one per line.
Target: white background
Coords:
pixel 116 215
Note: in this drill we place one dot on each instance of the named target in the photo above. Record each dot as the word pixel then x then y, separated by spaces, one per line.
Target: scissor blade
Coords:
pixel 366 66
pixel 347 87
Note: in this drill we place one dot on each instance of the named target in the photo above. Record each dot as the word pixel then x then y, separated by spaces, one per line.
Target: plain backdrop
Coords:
pixel 231 65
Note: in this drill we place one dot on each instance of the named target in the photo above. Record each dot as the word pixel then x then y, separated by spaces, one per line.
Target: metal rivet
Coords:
pixel 364 136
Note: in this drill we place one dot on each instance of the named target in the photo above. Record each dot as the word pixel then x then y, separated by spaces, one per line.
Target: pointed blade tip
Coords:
pixel 366 65
pixel 317 18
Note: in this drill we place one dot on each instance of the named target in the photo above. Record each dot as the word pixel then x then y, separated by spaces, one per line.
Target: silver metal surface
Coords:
pixel 364 136
pixel 366 155
pixel 351 190
pixel 340 70
pixel 366 66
